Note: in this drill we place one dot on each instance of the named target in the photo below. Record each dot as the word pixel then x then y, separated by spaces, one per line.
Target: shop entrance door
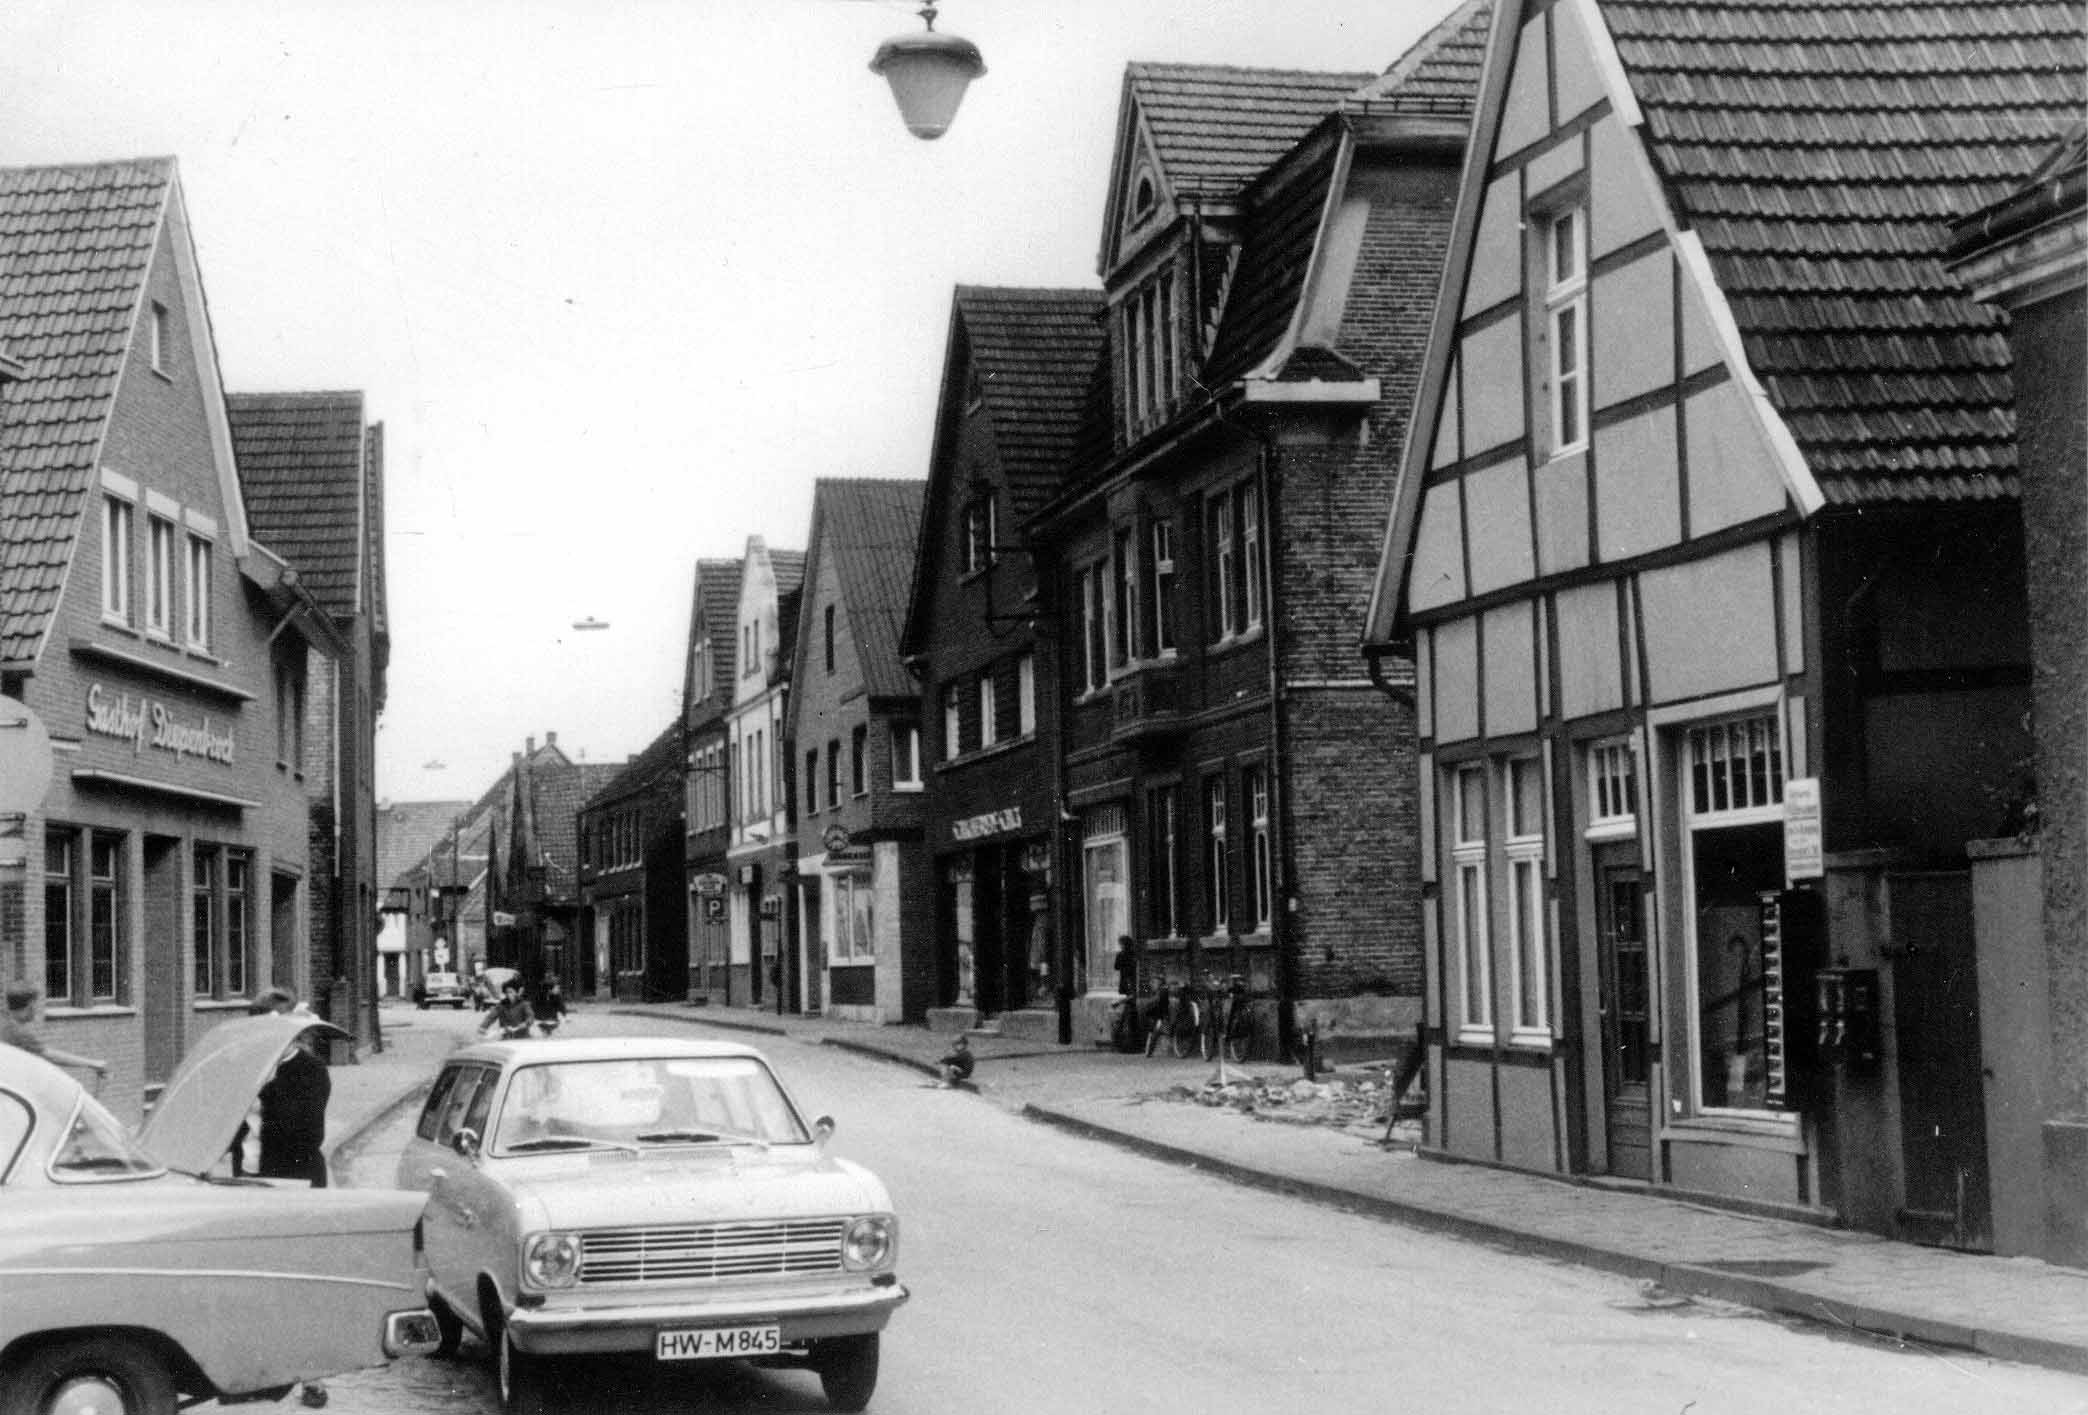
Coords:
pixel 1935 986
pixel 1626 992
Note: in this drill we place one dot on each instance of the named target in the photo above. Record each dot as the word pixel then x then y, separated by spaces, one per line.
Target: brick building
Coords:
pixel 164 876
pixel 1241 798
pixel 707 814
pixel 312 470
pixel 866 928
pixel 631 883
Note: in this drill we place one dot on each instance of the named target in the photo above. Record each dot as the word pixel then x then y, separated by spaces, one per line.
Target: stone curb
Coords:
pixel 1741 1290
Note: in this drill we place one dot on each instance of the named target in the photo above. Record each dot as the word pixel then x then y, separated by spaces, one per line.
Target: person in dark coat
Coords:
pixel 293 1117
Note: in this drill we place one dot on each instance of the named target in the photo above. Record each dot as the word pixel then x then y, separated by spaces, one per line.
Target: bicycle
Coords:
pixel 1228 1021
pixel 1177 1014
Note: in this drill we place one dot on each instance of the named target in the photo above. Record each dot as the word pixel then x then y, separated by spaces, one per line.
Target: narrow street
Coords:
pixel 1051 1274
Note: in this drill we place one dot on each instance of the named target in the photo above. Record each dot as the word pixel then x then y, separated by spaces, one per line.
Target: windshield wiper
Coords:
pixel 699 1137
pixel 567 1142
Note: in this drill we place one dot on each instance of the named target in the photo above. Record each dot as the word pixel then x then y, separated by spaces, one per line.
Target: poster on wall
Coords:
pixel 1805 855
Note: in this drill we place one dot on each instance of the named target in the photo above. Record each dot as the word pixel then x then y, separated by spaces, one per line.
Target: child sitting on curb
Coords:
pixel 956 1064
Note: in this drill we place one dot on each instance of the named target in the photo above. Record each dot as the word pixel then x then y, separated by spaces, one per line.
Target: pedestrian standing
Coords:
pixel 550 1006
pixel 17 1029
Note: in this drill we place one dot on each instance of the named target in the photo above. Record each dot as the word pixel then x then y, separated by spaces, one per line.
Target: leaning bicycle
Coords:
pixel 1228 1021
pixel 1176 1014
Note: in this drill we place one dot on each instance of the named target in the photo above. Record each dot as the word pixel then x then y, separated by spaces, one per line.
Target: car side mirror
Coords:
pixel 466 1143
pixel 822 1131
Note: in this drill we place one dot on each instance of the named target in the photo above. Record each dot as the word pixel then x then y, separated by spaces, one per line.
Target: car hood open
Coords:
pixel 196 1116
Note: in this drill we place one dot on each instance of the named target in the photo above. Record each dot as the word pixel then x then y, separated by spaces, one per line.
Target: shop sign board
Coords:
pixel 147 722
pixel 1804 843
pixel 991 823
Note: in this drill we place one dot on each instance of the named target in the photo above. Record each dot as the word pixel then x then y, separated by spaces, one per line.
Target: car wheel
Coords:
pixel 848 1370
pixel 100 1374
pixel 449 1327
pixel 518 1376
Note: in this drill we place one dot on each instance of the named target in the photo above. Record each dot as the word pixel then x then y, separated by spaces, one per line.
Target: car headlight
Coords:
pixel 870 1243
pixel 551 1260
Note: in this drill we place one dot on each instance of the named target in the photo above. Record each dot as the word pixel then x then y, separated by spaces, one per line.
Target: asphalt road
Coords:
pixel 1051 1274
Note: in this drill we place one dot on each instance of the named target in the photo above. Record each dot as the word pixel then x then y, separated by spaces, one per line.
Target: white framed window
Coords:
pixel 1152 373
pixel 1566 316
pixel 1733 822
pixel 159 576
pixel 859 761
pixel 906 757
pixel 157 335
pixel 833 775
pixel 953 722
pixel 1217 859
pixel 1123 597
pixel 1161 810
pixel 1250 555
pixel 1026 695
pixel 1225 573
pixel 1612 790
pixel 119 518
pixel 1474 981
pixel 1160 571
pixel 989 709
pixel 1529 982
pixel 981 520
pixel 852 929
pixel 1105 890
pixel 812 782
pixel 1261 872
pixel 1094 627
pixel 198 592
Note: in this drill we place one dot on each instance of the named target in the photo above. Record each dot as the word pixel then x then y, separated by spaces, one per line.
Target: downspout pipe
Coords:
pixel 1268 481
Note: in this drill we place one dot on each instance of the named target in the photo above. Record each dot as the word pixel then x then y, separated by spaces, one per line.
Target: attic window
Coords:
pixel 159 337
pixel 974 390
pixel 1144 197
pixel 1152 358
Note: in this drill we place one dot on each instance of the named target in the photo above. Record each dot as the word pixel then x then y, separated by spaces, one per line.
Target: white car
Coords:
pixel 662 1198
pixel 134 1279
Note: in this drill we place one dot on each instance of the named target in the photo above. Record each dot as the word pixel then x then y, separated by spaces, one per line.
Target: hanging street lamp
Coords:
pixel 928 73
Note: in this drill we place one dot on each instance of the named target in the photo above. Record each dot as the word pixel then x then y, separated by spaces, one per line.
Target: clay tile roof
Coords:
pixel 1035 351
pixel 1822 148
pixel 870 527
pixel 1215 128
pixel 1438 76
pixel 637 776
pixel 301 471
pixel 560 790
pixel 720 607
pixel 75 245
pixel 1440 73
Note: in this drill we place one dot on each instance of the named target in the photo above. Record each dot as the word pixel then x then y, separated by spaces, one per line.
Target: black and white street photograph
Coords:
pixel 1043 706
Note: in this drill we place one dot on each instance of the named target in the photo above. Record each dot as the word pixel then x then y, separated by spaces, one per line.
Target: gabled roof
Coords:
pixel 713 607
pixel 1034 351
pixel 1439 74
pixel 1215 127
pixel 303 469
pixel 556 794
pixel 869 527
pixel 1820 150
pixel 788 566
pixel 1038 354
pixel 76 245
pixel 408 830
pixel 636 777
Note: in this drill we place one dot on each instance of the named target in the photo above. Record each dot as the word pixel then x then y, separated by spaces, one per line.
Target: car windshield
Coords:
pixel 644 1103
pixel 97 1148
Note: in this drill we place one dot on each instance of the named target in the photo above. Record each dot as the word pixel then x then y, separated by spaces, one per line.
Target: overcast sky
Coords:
pixel 620 277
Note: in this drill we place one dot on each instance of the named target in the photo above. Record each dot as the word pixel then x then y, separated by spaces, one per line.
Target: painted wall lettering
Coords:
pixel 146 722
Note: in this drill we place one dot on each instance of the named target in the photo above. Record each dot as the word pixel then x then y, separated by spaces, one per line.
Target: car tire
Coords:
pixel 449 1327
pixel 130 1379
pixel 848 1370
pixel 518 1377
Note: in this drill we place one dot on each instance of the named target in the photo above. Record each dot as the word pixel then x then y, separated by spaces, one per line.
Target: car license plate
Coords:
pixel 710 1343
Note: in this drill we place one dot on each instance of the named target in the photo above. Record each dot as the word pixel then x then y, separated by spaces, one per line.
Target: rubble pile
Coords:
pixel 1361 1099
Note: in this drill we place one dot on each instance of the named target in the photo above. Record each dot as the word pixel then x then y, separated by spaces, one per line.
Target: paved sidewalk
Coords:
pixel 2013 1309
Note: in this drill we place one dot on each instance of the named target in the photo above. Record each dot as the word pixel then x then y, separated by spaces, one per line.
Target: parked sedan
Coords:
pixel 659 1198
pixel 131 1277
pixel 445 989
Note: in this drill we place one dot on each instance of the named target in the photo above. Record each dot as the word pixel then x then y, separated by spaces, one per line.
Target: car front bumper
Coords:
pixel 574 1325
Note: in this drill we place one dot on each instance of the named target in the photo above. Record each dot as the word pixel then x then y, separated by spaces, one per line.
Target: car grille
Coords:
pixel 711 1251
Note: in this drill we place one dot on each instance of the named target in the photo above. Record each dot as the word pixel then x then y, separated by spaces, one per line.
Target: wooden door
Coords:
pixel 1626 1004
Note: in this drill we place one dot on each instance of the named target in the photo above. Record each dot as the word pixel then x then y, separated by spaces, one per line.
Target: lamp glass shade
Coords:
pixel 928 73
